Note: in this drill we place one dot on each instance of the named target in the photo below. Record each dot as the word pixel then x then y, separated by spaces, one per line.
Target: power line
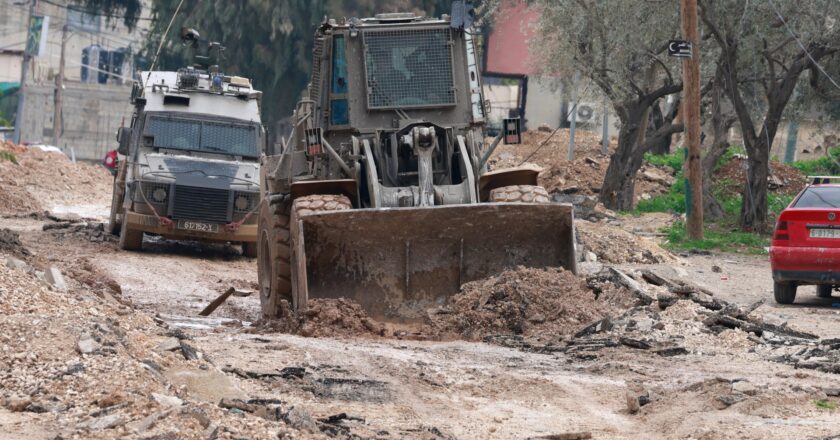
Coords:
pixel 802 46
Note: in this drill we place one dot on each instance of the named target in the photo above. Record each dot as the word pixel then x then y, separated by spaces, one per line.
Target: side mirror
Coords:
pixel 123 138
pixel 512 131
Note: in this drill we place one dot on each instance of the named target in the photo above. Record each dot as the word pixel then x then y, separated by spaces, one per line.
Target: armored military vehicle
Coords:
pixel 189 161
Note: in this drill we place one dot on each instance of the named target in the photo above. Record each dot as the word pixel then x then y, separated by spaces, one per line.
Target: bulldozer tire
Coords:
pixel 520 194
pixel 114 224
pixel 274 256
pixel 130 240
pixel 249 250
pixel 302 207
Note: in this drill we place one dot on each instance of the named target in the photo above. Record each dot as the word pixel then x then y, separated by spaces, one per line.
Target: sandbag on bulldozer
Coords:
pixel 399 262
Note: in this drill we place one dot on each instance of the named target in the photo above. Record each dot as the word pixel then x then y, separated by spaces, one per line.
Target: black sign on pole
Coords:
pixel 679 48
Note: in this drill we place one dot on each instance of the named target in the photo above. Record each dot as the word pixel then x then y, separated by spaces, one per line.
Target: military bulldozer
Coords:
pixel 381 193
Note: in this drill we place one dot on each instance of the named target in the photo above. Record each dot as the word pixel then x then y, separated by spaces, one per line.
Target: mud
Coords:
pixel 538 303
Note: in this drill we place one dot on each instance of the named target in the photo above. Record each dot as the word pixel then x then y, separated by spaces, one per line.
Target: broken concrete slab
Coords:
pixel 14 263
pixel 56 279
pixel 169 344
pixel 105 422
pixel 87 344
pixel 166 400
pixel 209 385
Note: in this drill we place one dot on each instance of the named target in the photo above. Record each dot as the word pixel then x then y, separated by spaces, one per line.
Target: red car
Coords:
pixel 806 243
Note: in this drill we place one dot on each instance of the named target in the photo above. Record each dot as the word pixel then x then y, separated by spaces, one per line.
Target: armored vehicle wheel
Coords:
pixel 520 194
pixel 249 250
pixel 130 240
pixel 114 224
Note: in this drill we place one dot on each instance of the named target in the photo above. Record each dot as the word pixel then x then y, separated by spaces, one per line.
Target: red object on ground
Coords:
pixel 110 160
pixel 806 242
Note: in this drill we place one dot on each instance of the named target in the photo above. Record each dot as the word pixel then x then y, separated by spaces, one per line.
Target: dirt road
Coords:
pixel 412 389
pixel 661 372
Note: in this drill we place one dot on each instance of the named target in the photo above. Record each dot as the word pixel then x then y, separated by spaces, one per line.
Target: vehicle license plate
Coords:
pixel 189 225
pixel 825 233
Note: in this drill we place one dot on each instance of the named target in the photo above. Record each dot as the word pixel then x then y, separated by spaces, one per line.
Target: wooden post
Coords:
pixel 691 106
pixel 58 116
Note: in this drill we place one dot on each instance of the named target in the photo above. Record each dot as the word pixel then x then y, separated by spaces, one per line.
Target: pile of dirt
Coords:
pixel 325 318
pixel 612 244
pixel 584 175
pixel 783 180
pixel 535 303
pixel 41 180
pixel 75 365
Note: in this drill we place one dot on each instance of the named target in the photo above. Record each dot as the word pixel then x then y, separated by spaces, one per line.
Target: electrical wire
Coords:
pixel 802 46
pixel 165 33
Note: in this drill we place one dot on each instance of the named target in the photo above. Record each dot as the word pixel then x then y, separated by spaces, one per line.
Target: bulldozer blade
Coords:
pixel 397 263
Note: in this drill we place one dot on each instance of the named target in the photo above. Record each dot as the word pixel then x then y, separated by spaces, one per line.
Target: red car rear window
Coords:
pixel 819 197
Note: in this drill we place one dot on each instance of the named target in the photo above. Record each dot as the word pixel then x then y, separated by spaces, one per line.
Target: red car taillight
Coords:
pixel 781 232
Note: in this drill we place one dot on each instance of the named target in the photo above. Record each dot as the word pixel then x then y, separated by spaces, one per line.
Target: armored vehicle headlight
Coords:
pixel 241 203
pixel 159 195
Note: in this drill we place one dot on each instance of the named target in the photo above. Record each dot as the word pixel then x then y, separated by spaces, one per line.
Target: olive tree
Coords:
pixel 621 47
pixel 764 48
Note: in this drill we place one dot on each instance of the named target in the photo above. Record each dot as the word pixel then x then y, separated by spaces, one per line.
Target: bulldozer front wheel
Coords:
pixel 302 207
pixel 130 240
pixel 274 257
pixel 114 223
pixel 520 194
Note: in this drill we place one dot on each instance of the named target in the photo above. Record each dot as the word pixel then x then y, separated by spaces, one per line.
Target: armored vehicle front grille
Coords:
pixel 409 68
pixel 207 204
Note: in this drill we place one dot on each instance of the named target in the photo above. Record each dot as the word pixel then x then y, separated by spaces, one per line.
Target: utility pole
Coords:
pixel 24 71
pixel 691 109
pixel 573 113
pixel 58 115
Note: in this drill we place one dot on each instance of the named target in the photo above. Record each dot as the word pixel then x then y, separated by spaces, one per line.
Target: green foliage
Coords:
pixel 674 160
pixel 3 121
pixel 7 155
pixel 731 240
pixel 730 153
pixel 825 404
pixel 819 167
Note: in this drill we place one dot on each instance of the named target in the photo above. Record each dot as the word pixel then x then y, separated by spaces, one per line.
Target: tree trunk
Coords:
pixel 754 203
pixel 657 120
pixel 620 180
pixel 721 123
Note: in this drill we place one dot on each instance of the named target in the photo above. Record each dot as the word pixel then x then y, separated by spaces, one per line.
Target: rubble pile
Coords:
pixel 612 244
pixel 584 175
pixel 88 367
pixel 783 179
pixel 537 303
pixel 81 229
pixel 42 179
pixel 10 243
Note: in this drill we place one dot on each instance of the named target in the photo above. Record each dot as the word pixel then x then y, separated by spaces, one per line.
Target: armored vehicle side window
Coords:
pixel 409 68
pixel 201 135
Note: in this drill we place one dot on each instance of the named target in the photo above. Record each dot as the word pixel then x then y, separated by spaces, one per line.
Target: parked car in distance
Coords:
pixel 805 249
